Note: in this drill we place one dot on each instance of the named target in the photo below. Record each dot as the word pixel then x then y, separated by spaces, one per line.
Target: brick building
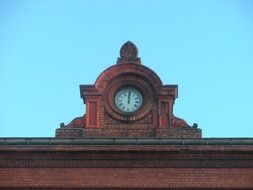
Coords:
pixel 128 138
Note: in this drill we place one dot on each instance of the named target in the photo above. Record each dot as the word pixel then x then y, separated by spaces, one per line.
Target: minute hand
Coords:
pixel 128 98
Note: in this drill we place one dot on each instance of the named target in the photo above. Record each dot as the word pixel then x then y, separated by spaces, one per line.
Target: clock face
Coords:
pixel 128 100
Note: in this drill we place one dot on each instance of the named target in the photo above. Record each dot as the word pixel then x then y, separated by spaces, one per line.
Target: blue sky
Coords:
pixel 48 48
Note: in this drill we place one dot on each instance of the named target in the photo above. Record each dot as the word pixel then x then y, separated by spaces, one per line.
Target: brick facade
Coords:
pixel 103 119
pixel 108 148
pixel 121 178
pixel 126 164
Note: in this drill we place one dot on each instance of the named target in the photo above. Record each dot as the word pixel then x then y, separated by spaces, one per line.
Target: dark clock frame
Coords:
pixel 121 82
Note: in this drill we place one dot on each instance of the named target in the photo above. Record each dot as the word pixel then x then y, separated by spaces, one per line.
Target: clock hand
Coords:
pixel 128 98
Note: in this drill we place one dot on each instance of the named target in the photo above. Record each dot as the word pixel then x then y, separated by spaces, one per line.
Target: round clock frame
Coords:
pixel 126 82
pixel 128 100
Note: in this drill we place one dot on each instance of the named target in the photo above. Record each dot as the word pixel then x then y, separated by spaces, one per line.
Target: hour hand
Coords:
pixel 128 98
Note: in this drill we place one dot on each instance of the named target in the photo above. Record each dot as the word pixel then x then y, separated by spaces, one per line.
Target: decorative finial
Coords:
pixel 129 54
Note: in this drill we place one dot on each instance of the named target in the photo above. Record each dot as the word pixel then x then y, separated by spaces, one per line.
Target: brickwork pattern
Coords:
pixel 125 166
pixel 126 178
pixel 69 132
pixel 122 130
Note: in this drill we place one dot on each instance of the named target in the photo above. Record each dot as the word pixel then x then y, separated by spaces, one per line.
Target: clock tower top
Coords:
pixel 128 99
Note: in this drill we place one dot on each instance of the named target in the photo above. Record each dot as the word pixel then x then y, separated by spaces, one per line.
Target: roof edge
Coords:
pixel 38 141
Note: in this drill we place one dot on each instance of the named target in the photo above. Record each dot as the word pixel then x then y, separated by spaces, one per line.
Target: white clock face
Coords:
pixel 128 100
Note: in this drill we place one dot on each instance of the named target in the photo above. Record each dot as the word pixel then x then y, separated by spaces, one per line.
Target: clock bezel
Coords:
pixel 129 88
pixel 129 81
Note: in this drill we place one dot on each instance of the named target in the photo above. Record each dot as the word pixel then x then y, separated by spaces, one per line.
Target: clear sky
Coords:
pixel 48 48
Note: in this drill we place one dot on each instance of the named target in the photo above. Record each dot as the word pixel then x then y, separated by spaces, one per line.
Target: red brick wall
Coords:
pixel 125 166
pixel 126 178
pixel 129 131
pixel 153 119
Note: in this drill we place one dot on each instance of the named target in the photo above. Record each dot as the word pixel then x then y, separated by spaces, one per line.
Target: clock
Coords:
pixel 128 100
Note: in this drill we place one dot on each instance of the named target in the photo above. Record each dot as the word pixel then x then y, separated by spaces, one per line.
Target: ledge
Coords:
pixel 124 141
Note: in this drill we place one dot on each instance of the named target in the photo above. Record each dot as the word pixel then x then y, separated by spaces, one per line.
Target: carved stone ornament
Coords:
pixel 129 54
